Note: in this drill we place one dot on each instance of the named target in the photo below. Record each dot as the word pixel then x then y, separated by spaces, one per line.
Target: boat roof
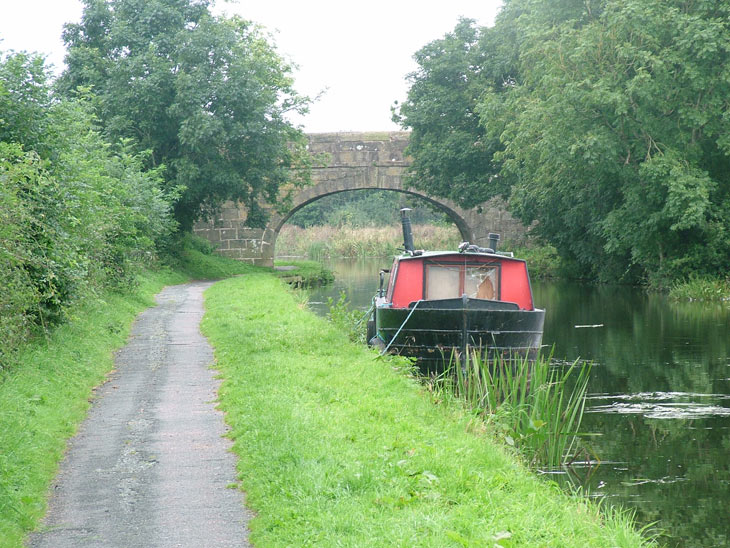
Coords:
pixel 434 254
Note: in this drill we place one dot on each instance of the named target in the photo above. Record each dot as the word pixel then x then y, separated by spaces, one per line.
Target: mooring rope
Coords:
pixel 401 326
pixel 358 322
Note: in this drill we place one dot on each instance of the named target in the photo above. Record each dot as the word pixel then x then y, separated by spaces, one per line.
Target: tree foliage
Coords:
pixel 365 208
pixel 75 212
pixel 206 95
pixel 612 132
pixel 452 157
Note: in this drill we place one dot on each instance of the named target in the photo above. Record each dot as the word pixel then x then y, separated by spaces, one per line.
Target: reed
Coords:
pixel 535 405
pixel 698 288
pixel 325 242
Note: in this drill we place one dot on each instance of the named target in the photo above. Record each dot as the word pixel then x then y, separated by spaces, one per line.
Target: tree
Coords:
pixel 206 95
pixel 606 121
pixel 452 156
pixel 76 213
pixel 616 139
pixel 455 151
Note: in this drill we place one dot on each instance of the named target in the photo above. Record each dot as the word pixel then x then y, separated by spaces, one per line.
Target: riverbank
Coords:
pixel 325 242
pixel 332 444
pixel 339 448
pixel 697 288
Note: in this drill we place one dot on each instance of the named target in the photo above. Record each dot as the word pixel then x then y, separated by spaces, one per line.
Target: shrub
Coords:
pixel 76 214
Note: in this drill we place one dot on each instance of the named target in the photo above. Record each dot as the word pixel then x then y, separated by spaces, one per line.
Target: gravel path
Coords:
pixel 149 466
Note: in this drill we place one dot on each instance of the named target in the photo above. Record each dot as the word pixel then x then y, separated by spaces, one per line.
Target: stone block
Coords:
pixel 228 234
pixel 203 225
pixel 209 234
pixel 250 232
pixel 231 253
pixel 346 157
pixel 249 254
pixel 232 214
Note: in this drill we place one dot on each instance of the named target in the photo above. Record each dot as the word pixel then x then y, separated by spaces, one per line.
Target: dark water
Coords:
pixel 659 398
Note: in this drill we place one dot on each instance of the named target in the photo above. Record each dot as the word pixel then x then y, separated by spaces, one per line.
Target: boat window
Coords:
pixel 442 282
pixel 391 280
pixel 449 281
pixel 481 282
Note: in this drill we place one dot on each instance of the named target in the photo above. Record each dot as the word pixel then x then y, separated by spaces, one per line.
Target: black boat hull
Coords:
pixel 431 331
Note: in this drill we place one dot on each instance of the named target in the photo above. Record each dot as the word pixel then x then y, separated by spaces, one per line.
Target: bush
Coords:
pixel 76 214
pixel 542 260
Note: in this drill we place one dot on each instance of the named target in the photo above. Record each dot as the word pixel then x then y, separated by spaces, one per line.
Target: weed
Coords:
pixel 535 405
pixel 345 318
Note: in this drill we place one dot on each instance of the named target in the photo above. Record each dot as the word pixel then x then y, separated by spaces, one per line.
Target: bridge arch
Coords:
pixel 328 188
pixel 355 161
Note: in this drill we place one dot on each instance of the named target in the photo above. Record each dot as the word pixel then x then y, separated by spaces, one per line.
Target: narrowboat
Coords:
pixel 439 303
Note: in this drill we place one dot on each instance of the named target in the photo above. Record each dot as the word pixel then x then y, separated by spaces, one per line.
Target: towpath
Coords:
pixel 149 466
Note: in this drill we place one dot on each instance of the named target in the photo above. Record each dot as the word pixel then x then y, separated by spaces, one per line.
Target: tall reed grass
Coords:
pixel 536 406
pixel 698 288
pixel 324 242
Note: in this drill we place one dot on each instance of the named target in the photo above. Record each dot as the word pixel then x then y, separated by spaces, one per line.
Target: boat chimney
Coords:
pixel 493 240
pixel 407 232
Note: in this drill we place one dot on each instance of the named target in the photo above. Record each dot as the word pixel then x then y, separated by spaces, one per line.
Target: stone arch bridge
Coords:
pixel 356 161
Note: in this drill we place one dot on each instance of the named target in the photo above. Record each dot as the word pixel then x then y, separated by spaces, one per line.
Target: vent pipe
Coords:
pixel 493 240
pixel 407 232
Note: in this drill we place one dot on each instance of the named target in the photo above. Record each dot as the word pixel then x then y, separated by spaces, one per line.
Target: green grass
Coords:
pixel 207 265
pixel 198 260
pixel 338 448
pixel 697 288
pixel 46 393
pixel 305 273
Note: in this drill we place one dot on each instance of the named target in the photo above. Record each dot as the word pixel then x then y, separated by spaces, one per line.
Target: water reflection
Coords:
pixel 659 404
pixel 359 279
pixel 660 400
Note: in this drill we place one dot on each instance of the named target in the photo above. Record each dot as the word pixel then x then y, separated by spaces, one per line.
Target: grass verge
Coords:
pixel 337 448
pixel 304 273
pixel 46 394
pixel 198 260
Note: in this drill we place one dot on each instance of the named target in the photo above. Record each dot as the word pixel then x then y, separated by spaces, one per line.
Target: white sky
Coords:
pixel 359 53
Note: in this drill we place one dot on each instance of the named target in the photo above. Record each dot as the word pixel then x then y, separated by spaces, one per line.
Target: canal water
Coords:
pixel 659 402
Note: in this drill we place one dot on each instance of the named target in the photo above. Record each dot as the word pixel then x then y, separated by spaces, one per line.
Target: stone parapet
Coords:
pixel 361 149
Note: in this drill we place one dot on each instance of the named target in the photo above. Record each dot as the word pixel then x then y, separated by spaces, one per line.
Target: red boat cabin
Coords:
pixel 435 276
